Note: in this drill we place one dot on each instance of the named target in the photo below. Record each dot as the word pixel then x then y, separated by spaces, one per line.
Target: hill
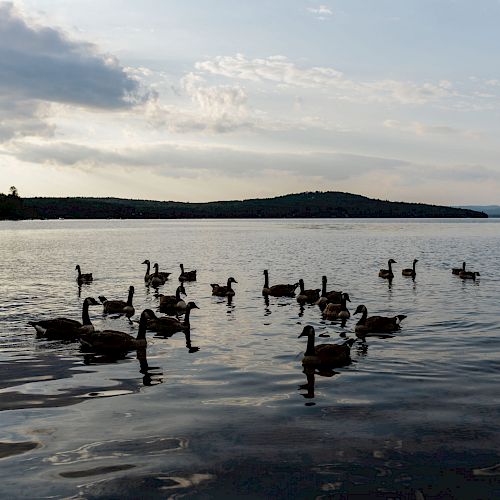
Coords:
pixel 303 205
pixel 490 210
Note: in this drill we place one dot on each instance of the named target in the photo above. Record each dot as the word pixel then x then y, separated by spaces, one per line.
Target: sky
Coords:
pixel 214 100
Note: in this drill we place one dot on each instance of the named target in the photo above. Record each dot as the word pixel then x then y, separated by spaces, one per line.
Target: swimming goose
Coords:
pixel 387 273
pixel 83 278
pixel 326 297
pixel 338 311
pixel 310 296
pixel 223 291
pixel 410 271
pixel 65 328
pixel 468 275
pixel 162 274
pixel 119 306
pixel 173 303
pixel 376 324
pixel 278 290
pixel 156 279
pixel 169 325
pixel 325 354
pixel 187 275
pixel 112 341
pixel 458 270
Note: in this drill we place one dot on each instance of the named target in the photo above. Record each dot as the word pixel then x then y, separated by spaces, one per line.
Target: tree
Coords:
pixel 13 192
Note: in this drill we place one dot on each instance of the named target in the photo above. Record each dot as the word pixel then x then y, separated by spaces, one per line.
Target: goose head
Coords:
pixel 392 261
pixel 191 305
pixel 323 279
pixel 415 261
pixel 92 302
pixel 77 268
pixel 307 331
pixel 346 297
pixel 182 290
pixel 231 280
pixel 265 273
pixel 360 309
pixel 146 262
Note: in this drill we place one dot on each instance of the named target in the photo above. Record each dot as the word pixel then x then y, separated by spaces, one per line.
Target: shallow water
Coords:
pixel 415 415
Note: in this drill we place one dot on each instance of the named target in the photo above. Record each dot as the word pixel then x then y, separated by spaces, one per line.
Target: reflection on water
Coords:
pixel 227 406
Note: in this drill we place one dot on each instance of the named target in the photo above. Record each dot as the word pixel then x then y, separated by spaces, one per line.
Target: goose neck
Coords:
pixel 362 320
pixel 130 296
pixel 85 313
pixel 266 280
pixel 310 345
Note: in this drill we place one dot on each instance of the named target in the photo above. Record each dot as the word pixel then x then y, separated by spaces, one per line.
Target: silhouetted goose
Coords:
pixel 187 275
pixel 458 270
pixel 468 275
pixel 156 279
pixel 325 354
pixel 278 290
pixel 410 271
pixel 338 311
pixel 223 291
pixel 376 324
pixel 113 341
pixel 162 274
pixel 166 324
pixel 119 306
pixel 173 303
pixel 326 297
pixel 310 296
pixel 65 328
pixel 83 278
pixel 387 273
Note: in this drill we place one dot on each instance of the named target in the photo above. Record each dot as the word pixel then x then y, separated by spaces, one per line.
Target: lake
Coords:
pixel 230 411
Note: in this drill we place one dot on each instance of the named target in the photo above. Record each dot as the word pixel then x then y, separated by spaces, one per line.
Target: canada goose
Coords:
pixel 65 328
pixel 387 273
pixel 162 274
pixel 376 324
pixel 326 297
pixel 187 275
pixel 338 311
pixel 156 279
pixel 119 306
pixel 469 275
pixel 83 278
pixel 277 290
pixel 223 291
pixel 173 302
pixel 112 341
pixel 310 296
pixel 325 354
pixel 168 325
pixel 410 271
pixel 458 270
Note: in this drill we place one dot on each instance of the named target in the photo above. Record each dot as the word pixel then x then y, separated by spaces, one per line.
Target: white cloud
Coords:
pixel 322 12
pixel 422 129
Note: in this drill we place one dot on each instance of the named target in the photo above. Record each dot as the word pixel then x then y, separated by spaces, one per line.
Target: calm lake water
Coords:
pixel 413 416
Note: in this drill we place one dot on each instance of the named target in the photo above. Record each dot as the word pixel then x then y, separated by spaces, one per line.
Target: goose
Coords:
pixel 156 279
pixel 187 275
pixel 112 341
pixel 458 270
pixel 410 271
pixel 376 324
pixel 326 297
pixel 338 311
pixel 468 275
pixel 277 290
pixel 162 274
pixel 168 325
pixel 310 296
pixel 65 328
pixel 223 291
pixel 387 273
pixel 83 278
pixel 119 306
pixel 173 302
pixel 325 354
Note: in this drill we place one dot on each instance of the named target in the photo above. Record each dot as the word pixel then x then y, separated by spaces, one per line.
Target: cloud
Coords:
pixel 421 129
pixel 323 12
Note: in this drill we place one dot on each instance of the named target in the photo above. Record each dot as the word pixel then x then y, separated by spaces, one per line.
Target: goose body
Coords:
pixel 173 302
pixel 277 290
pixel 187 275
pixel 65 328
pixel 113 341
pixel 223 291
pixel 458 270
pixel 338 311
pixel 410 271
pixel 325 354
pixel 83 278
pixel 310 296
pixel 119 306
pixel 168 325
pixel 468 275
pixel 161 274
pixel 387 273
pixel 332 296
pixel 376 324
pixel 157 279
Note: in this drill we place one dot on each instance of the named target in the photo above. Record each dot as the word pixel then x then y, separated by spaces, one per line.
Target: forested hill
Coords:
pixel 303 205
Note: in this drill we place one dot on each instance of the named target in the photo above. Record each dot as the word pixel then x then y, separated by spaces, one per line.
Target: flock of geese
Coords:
pixel 332 303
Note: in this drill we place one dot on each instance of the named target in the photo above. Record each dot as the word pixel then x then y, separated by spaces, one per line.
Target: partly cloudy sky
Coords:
pixel 212 100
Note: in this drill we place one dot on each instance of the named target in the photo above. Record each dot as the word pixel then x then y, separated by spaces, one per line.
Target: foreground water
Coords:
pixel 231 412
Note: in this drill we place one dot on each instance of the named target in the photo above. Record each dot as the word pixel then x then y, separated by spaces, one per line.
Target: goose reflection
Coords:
pixel 267 311
pixel 187 334
pixel 310 373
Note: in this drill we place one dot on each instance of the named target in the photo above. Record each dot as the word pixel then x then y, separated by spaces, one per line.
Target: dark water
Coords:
pixel 414 416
